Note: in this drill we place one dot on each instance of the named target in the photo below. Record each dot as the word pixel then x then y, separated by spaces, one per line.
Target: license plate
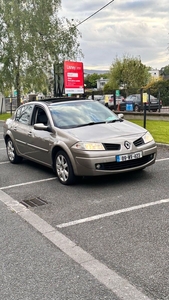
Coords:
pixel 130 156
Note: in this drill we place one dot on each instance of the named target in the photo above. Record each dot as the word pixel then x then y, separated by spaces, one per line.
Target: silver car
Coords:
pixel 77 137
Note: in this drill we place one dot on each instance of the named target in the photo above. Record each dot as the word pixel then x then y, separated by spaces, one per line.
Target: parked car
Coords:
pixel 133 102
pixel 110 102
pixel 99 98
pixel 77 137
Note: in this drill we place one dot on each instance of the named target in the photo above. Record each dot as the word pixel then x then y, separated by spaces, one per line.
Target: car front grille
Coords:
pixel 109 147
pixel 126 164
pixel 138 142
pixel 112 146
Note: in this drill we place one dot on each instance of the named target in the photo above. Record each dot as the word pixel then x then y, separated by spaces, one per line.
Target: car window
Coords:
pixel 23 114
pixel 74 114
pixel 134 99
pixel 40 116
pixel 129 98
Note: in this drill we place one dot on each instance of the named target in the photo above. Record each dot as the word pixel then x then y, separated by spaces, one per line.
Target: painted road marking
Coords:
pixel 112 213
pixel 27 183
pixel 4 162
pixel 118 285
pixel 162 159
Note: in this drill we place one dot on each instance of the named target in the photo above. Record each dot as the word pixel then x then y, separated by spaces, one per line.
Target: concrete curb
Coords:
pixel 162 145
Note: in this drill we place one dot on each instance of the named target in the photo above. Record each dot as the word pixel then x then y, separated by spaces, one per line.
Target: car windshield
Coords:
pixel 80 113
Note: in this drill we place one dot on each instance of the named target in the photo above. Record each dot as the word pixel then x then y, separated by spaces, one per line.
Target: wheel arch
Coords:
pixel 6 137
pixel 63 147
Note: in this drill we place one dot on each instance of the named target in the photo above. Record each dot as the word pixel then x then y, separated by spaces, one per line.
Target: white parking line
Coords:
pixel 162 159
pixel 4 162
pixel 118 285
pixel 111 213
pixel 26 183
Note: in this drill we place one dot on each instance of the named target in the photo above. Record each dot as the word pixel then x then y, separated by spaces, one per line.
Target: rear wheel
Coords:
pixel 11 152
pixel 136 108
pixel 64 169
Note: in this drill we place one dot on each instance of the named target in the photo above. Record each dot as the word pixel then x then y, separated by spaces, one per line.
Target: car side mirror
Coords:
pixel 120 116
pixel 41 126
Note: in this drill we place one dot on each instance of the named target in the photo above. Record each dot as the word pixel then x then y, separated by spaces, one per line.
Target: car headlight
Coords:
pixel 89 146
pixel 147 138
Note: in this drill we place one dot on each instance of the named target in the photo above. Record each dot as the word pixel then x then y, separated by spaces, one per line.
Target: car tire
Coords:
pixel 64 169
pixel 136 108
pixel 11 152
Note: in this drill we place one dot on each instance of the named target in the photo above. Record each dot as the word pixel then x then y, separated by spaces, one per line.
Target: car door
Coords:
pixel 40 140
pixel 21 127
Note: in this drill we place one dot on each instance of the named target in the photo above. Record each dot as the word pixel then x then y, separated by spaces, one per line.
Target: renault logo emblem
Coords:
pixel 127 145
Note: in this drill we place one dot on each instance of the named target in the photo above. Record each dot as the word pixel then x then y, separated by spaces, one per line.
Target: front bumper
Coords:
pixel 104 165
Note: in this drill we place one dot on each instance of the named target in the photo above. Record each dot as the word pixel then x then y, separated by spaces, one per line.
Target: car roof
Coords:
pixel 48 101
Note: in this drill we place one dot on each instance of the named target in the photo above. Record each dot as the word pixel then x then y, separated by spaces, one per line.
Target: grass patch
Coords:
pixel 158 129
pixel 3 117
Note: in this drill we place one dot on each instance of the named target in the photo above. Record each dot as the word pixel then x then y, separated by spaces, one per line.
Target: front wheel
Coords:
pixel 64 170
pixel 11 152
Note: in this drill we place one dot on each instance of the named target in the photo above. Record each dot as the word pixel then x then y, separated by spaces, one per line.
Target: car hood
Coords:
pixel 106 132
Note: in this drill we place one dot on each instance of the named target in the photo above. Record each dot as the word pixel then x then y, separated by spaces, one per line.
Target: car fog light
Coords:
pixel 98 166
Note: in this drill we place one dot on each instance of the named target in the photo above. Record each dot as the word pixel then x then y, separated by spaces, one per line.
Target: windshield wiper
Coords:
pixel 90 123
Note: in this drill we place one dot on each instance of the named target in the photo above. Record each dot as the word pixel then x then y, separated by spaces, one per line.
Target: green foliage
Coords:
pixel 108 89
pixel 160 88
pixel 33 39
pixel 91 79
pixel 128 73
pixel 165 71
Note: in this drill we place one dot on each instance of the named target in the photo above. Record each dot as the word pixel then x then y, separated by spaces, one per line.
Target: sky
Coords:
pixel 136 28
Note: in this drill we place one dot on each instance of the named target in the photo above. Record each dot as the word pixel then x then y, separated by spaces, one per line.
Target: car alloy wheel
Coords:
pixel 11 152
pixel 64 168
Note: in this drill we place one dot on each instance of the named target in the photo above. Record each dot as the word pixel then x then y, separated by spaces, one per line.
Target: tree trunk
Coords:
pixel 18 84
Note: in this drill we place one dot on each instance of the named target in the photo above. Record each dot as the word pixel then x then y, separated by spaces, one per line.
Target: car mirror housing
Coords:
pixel 120 116
pixel 40 126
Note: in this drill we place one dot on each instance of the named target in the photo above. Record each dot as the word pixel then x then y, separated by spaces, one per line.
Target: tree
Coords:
pixel 165 71
pixel 128 73
pixel 33 40
pixel 159 88
pixel 91 79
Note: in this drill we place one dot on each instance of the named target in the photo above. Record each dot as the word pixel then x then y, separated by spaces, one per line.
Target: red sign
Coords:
pixel 73 77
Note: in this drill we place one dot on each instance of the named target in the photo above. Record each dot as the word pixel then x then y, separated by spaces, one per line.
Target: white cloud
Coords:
pixel 139 28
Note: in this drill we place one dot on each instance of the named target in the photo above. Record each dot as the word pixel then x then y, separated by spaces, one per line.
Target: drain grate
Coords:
pixel 33 202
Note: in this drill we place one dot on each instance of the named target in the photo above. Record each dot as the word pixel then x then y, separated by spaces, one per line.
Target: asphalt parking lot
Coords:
pixel 115 228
